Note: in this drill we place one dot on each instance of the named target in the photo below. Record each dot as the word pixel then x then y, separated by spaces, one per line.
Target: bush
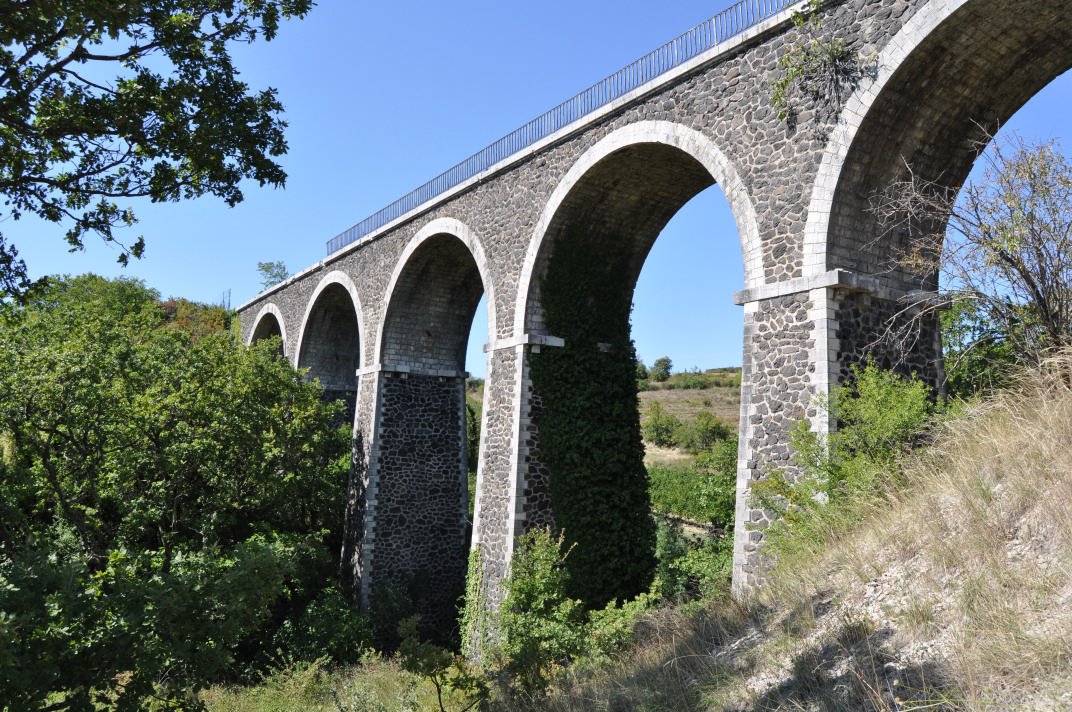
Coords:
pixel 702 433
pixel 542 628
pixel 330 625
pixel 659 427
pixel 690 570
pixel 879 416
pixel 703 492
pixel 168 500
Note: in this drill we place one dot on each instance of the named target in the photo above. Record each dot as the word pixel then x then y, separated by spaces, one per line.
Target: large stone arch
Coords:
pixel 417 490
pixel 330 342
pixel 440 227
pixel 689 142
pixel 614 200
pixel 269 322
pixel 957 70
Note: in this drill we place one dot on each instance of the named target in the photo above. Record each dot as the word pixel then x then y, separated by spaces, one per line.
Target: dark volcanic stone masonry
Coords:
pixel 819 280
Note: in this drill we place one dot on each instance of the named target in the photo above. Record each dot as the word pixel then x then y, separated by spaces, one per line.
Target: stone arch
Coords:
pixel 329 344
pixel 955 68
pixel 418 491
pixel 607 211
pixel 673 143
pixel 402 294
pixel 268 323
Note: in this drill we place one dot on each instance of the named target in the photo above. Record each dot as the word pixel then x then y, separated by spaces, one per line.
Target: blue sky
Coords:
pixel 380 97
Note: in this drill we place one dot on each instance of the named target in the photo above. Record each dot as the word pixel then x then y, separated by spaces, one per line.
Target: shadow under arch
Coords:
pixel 419 492
pixel 329 345
pixel 582 264
pixel 950 78
pixel 267 324
pixel 645 171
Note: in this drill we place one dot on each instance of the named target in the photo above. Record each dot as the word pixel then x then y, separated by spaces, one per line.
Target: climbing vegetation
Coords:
pixel 589 426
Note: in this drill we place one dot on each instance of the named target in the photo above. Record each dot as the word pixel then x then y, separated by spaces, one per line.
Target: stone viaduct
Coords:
pixel 383 321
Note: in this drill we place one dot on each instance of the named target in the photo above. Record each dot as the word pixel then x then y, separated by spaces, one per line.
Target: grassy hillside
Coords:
pixel 949 591
pixel 952 592
pixel 717 390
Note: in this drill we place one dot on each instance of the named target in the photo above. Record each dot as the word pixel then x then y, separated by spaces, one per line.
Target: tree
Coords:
pixel 1003 246
pixel 272 273
pixel 102 102
pixel 660 370
pixel 168 502
pixel 641 371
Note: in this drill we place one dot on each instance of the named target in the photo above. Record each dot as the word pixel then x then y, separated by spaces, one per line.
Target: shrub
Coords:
pixel 542 629
pixel 878 416
pixel 704 492
pixel 659 427
pixel 702 433
pixel 691 570
pixel 330 625
pixel 170 499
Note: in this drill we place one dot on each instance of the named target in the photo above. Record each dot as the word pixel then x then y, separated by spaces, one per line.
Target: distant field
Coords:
pixel 723 397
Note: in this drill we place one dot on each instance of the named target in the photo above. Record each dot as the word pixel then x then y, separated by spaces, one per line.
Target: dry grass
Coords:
pixel 723 401
pixel 953 593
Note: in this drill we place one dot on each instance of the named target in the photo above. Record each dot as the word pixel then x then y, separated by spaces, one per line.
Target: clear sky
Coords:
pixel 380 97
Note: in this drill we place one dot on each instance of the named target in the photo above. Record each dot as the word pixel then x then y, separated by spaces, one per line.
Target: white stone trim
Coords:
pixel 688 140
pixel 343 279
pixel 472 242
pixel 409 370
pixel 513 342
pixel 742 498
pixel 518 453
pixel 840 278
pixel 269 308
pixel 914 32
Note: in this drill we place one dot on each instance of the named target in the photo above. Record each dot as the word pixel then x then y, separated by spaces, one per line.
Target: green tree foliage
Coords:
pixel 169 502
pixel 106 101
pixel 642 373
pixel 660 427
pixel 978 356
pixel 197 320
pixel 701 434
pixel 660 370
pixel 272 273
pixel 589 424
pixel 878 417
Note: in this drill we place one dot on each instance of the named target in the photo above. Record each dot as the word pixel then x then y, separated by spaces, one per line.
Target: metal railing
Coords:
pixel 726 24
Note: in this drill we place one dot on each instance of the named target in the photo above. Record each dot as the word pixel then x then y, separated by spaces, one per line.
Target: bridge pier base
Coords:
pixel 411 552
pixel 799 344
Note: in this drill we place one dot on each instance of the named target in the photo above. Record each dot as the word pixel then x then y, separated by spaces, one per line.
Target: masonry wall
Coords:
pixel 807 182
pixel 417 498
